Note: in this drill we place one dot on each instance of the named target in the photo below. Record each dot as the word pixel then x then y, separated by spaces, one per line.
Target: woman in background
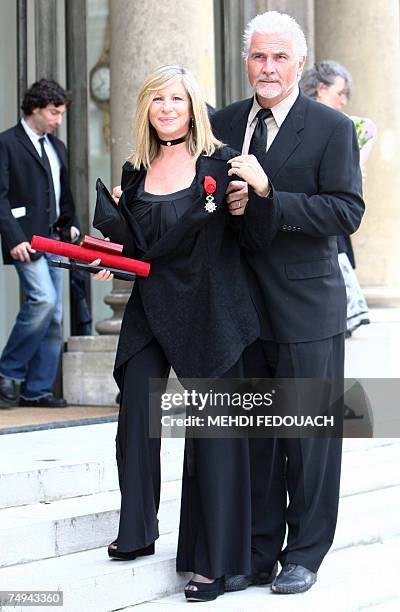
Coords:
pixel 330 83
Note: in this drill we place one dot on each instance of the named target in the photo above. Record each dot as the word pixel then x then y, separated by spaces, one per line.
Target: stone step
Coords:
pixel 41 531
pixel 370 469
pixel 38 466
pixel 368 517
pixel 62 463
pixel 92 583
pixel 62 527
pixel 350 580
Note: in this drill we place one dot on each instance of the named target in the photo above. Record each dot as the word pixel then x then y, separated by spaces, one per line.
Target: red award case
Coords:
pixel 99 244
pixel 65 249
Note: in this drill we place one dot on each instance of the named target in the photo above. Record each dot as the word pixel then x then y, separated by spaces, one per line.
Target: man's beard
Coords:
pixel 270 89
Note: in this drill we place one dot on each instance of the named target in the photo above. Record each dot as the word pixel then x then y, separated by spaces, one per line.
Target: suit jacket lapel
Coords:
pixel 27 143
pixel 287 139
pixel 238 125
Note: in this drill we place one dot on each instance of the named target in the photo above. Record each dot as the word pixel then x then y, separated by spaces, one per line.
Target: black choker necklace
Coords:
pixel 171 143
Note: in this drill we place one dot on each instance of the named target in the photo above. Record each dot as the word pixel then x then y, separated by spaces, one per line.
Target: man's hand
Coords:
pixel 116 194
pixel 237 197
pixel 250 170
pixel 21 252
pixel 73 234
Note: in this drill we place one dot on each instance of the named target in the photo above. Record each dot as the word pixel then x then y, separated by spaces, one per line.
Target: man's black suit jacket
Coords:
pixel 24 183
pixel 313 166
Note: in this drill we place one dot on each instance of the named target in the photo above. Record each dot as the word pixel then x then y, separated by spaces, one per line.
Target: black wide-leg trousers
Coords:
pixel 138 455
pixel 295 482
pixel 215 526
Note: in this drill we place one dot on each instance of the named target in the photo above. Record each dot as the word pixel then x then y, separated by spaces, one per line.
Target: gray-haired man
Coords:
pixel 310 155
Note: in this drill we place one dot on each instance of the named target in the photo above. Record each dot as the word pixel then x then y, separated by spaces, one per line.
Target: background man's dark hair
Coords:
pixel 42 93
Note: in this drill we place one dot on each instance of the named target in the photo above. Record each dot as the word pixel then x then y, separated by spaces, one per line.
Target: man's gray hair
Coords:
pixel 325 72
pixel 273 22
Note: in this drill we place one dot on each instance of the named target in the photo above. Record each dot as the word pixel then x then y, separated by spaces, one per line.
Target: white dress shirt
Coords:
pixel 54 160
pixel 279 113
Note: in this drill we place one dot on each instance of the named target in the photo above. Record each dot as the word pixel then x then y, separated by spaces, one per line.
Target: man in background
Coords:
pixel 35 198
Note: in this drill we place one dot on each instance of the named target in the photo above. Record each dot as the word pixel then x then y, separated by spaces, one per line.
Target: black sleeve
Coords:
pixel 109 220
pixel 338 206
pixel 11 231
pixel 260 222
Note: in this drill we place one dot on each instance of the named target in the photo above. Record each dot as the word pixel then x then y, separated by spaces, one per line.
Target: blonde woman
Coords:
pixel 193 313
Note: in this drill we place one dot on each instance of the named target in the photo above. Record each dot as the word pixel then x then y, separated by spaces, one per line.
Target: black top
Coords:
pixel 156 214
pixel 195 301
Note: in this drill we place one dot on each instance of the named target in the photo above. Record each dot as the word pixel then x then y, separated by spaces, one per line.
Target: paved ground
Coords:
pixel 374 350
pixel 23 417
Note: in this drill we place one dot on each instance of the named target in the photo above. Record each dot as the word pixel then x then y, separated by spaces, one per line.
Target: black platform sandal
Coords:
pixel 205 591
pixel 114 553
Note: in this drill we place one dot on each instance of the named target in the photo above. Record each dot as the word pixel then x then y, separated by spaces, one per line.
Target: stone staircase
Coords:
pixel 59 509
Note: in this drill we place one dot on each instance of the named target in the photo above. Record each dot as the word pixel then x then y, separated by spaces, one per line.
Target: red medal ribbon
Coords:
pixel 210 184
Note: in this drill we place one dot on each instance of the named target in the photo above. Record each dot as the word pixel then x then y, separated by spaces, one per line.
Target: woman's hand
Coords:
pixel 251 171
pixel 237 197
pixel 103 275
pixel 116 194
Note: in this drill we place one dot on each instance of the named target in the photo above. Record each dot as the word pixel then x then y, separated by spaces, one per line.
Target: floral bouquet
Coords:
pixel 366 131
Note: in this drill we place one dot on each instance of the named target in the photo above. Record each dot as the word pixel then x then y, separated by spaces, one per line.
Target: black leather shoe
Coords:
pixel 240 582
pixel 8 391
pixel 48 401
pixel 293 578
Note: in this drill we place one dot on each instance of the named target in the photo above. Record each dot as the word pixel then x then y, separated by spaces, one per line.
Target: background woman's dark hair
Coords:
pixel 325 72
pixel 42 93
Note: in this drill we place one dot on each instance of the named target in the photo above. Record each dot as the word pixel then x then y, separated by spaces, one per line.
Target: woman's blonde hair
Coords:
pixel 200 139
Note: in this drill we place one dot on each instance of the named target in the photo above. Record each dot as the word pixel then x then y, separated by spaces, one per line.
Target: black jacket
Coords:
pixel 195 302
pixel 313 165
pixel 24 183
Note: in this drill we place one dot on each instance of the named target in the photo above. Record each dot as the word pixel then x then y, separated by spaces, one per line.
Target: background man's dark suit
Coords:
pixel 24 183
pixel 32 351
pixel 299 292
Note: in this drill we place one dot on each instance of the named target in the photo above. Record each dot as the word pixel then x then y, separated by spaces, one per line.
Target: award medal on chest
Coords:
pixel 210 187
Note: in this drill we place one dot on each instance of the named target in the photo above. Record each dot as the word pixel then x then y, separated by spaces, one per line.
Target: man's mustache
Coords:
pixel 261 80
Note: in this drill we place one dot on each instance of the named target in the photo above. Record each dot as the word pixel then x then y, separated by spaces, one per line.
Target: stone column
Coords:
pixel 302 11
pixel 364 36
pixel 22 49
pixel 144 37
pixel 231 19
pixel 46 39
pixel 75 22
